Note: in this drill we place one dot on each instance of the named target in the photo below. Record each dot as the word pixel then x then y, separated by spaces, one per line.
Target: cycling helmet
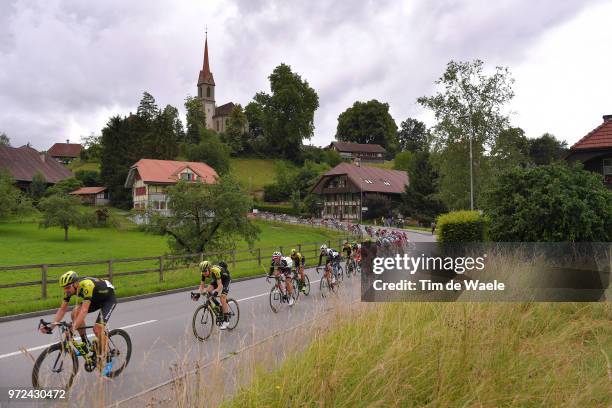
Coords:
pixel 293 251
pixel 204 265
pixel 276 254
pixel 323 247
pixel 67 278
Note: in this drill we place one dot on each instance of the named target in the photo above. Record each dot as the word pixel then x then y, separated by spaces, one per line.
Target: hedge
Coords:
pixel 278 209
pixel 462 226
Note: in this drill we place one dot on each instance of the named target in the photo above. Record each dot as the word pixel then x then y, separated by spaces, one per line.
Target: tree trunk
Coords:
pixel 65 233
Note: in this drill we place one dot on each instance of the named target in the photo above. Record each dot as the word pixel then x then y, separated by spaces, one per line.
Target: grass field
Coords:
pixel 77 165
pixel 388 164
pixel 253 173
pixel 450 355
pixel 25 244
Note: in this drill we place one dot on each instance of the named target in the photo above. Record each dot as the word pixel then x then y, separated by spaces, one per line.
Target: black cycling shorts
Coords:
pixel 225 281
pixel 106 309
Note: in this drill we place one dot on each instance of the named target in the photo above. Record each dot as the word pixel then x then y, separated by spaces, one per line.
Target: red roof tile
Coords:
pixel 166 171
pixel 600 137
pixel 358 147
pixel 88 190
pixel 65 150
pixel 24 162
pixel 378 180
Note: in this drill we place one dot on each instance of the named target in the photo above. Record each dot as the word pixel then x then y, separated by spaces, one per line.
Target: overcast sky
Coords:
pixel 67 66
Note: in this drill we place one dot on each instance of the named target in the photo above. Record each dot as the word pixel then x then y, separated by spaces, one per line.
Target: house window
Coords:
pixel 208 91
pixel 188 176
pixel 226 122
pixel 368 181
pixel 141 191
pixel 386 183
pixel 607 171
pixel 217 125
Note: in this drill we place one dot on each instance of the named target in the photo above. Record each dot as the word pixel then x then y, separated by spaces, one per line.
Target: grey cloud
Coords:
pixel 74 59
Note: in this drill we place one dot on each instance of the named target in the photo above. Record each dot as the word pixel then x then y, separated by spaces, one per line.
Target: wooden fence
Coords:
pixel 163 263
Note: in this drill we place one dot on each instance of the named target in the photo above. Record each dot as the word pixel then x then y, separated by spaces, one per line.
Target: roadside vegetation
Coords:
pixel 450 354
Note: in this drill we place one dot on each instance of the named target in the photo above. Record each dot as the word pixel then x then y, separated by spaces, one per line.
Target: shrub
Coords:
pixel 462 226
pixel 278 209
pixel 552 203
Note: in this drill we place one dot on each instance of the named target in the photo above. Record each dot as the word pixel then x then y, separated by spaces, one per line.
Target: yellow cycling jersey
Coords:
pixel 216 273
pixel 94 290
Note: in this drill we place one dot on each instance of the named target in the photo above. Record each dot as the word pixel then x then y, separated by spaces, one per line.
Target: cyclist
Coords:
pixel 97 294
pixel 282 265
pixel 347 250
pixel 356 252
pixel 216 273
pixel 299 261
pixel 331 257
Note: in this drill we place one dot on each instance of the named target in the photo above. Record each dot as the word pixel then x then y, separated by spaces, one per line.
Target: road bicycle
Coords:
pixel 327 285
pixel 208 315
pixel 58 364
pixel 352 267
pixel 279 294
pixel 302 286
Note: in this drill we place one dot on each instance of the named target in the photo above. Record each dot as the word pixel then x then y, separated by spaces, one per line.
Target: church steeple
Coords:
pixel 206 88
pixel 206 77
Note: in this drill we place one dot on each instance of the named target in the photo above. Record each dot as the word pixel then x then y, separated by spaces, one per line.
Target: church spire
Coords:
pixel 206 77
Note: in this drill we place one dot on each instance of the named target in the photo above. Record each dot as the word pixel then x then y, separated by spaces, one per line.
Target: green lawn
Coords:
pixel 77 165
pixel 25 244
pixel 253 173
pixel 386 165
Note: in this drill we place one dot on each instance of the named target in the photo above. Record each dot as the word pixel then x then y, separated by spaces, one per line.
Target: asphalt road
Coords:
pixel 160 330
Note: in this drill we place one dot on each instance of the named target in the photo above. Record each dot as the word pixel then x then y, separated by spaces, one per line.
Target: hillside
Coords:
pixel 252 173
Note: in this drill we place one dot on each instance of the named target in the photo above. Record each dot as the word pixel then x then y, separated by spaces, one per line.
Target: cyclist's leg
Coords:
pixel 100 327
pixel 74 314
pixel 223 296
pixel 288 283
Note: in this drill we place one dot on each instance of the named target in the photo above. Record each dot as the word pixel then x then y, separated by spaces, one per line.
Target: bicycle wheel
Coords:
pixel 120 350
pixel 56 368
pixel 234 314
pixel 306 285
pixel 340 274
pixel 325 286
pixel 276 299
pixel 203 322
pixel 296 284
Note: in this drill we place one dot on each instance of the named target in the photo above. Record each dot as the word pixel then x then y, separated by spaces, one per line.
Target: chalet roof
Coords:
pixel 166 171
pixel 65 150
pixel 357 147
pixel 88 190
pixel 598 138
pixel 368 179
pixel 24 162
pixel 224 110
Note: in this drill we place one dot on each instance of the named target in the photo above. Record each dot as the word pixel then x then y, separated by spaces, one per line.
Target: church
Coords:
pixel 217 117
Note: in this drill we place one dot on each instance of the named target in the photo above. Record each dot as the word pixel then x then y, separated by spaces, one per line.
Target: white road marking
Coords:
pixel 16 353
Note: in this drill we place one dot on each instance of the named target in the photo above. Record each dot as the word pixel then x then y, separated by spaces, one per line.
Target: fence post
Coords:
pixel 281 249
pixel 258 256
pixel 299 248
pixel 234 260
pixel 43 270
pixel 201 256
pixel 161 268
pixel 329 243
pixel 110 270
pixel 315 250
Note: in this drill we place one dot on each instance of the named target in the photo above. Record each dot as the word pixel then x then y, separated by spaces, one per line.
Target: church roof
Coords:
pixel 206 77
pixel 224 110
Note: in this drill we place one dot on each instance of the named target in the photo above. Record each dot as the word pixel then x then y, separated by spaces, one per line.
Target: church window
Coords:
pixel 200 91
pixel 208 91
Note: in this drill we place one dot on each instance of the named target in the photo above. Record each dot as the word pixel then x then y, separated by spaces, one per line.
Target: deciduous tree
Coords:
pixel 63 211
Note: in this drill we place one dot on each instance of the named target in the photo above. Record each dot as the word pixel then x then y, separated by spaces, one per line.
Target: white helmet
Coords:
pixel 323 247
pixel 276 254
